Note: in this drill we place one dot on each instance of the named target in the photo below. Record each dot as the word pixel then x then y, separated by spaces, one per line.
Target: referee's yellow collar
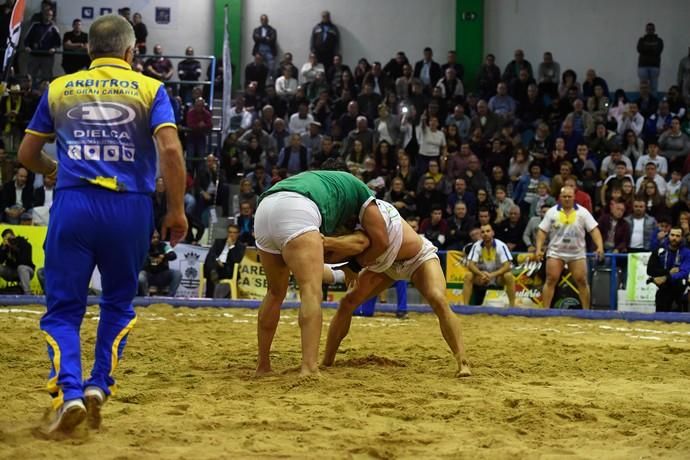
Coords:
pixel 110 61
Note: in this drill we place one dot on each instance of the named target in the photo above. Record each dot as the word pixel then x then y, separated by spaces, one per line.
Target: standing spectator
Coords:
pixel 74 43
pixel 683 78
pixel 86 201
pixel 649 48
pixel 256 72
pixel 15 260
pixel 427 70
pixel 325 39
pixel 265 38
pixel 156 270
pixel 158 66
pixel 140 33
pixel 188 70
pixel 221 259
pixel 199 123
pixel 432 143
pixel 41 42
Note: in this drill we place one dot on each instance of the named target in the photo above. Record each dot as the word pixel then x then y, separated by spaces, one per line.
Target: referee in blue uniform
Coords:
pixel 107 122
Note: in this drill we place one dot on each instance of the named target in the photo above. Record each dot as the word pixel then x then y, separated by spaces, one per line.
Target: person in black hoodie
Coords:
pixel 15 260
pixel 649 48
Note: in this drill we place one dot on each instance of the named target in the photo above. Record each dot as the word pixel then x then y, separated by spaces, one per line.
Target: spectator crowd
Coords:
pixel 448 159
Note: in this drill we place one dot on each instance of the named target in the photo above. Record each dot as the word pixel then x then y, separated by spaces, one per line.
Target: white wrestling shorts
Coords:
pixel 282 217
pixel 404 269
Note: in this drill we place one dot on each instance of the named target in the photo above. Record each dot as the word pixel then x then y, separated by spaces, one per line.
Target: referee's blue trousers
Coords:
pixel 91 227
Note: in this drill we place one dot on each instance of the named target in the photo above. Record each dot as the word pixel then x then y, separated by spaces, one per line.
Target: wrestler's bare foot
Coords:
pixel 327 362
pixel 464 370
pixel 263 371
pixel 309 370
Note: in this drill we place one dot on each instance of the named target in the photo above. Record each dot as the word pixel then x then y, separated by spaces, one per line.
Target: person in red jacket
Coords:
pixel 581 198
pixel 435 227
pixel 199 126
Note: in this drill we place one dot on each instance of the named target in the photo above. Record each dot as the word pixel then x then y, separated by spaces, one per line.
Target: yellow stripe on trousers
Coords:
pixel 116 345
pixel 52 385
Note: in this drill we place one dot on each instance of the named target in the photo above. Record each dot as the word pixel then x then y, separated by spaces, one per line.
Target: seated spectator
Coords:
pixel 565 170
pixel 609 164
pixel 658 122
pixel 156 270
pixel 642 228
pixel 674 145
pixel 571 137
pixel 490 263
pixel 245 222
pixel 530 112
pixel 488 77
pixel 266 141
pixel 656 201
pixel 526 189
pixel 539 146
pixel 510 231
pixel 519 164
pixel 583 122
pixel 17 198
pixel 569 82
pixel 592 80
pixel 300 121
pixel 294 158
pixel 387 127
pixel 321 109
pixel 221 259
pixel 361 133
pixel 286 62
pixel 529 236
pixel 598 105
pixel 660 235
pixel 518 87
pixel 16 260
pixel 460 224
pixel 380 84
pixel 486 120
pixel 310 69
pixel 484 201
pixel 159 67
pixel 503 203
pixel 646 101
pixel 582 198
pixel 548 76
pixel 286 85
pixel 316 88
pixel 544 198
pixel 502 104
pixel 614 180
pixel 429 198
pixel 651 174
pixel 240 117
pixel 460 193
pixel 335 72
pixel 633 146
pixel 582 161
pixel 403 200
pixel 601 142
pixel 615 230
pixel 459 119
pixel 558 155
pixel 513 68
pixel 630 118
pixel 435 228
pixel 652 156
pixel 452 89
pixel 189 70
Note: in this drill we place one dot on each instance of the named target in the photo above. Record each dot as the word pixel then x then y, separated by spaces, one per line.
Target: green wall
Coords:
pixel 235 27
pixel 469 38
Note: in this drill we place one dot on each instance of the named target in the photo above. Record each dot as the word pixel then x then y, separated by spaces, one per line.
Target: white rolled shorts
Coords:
pixel 282 217
pixel 404 269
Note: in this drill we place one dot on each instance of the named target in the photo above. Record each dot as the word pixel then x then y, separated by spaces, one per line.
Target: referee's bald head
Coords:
pixel 111 36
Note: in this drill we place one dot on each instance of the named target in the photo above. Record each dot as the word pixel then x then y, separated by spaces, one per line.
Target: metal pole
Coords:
pixel 613 298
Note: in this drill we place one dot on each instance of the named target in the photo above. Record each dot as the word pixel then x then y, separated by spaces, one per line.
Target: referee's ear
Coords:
pixel 129 54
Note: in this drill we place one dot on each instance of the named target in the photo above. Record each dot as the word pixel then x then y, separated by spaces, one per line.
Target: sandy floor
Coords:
pixel 543 388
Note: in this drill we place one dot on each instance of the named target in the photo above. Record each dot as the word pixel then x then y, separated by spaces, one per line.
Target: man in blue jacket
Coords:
pixel 668 268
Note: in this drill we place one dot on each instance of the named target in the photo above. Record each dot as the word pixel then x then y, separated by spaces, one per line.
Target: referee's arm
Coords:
pixel 31 155
pixel 173 173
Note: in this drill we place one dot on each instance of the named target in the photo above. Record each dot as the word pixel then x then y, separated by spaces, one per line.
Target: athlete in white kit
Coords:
pixel 566 225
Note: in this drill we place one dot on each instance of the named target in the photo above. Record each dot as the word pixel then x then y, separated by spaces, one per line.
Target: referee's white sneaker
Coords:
pixel 95 398
pixel 67 418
